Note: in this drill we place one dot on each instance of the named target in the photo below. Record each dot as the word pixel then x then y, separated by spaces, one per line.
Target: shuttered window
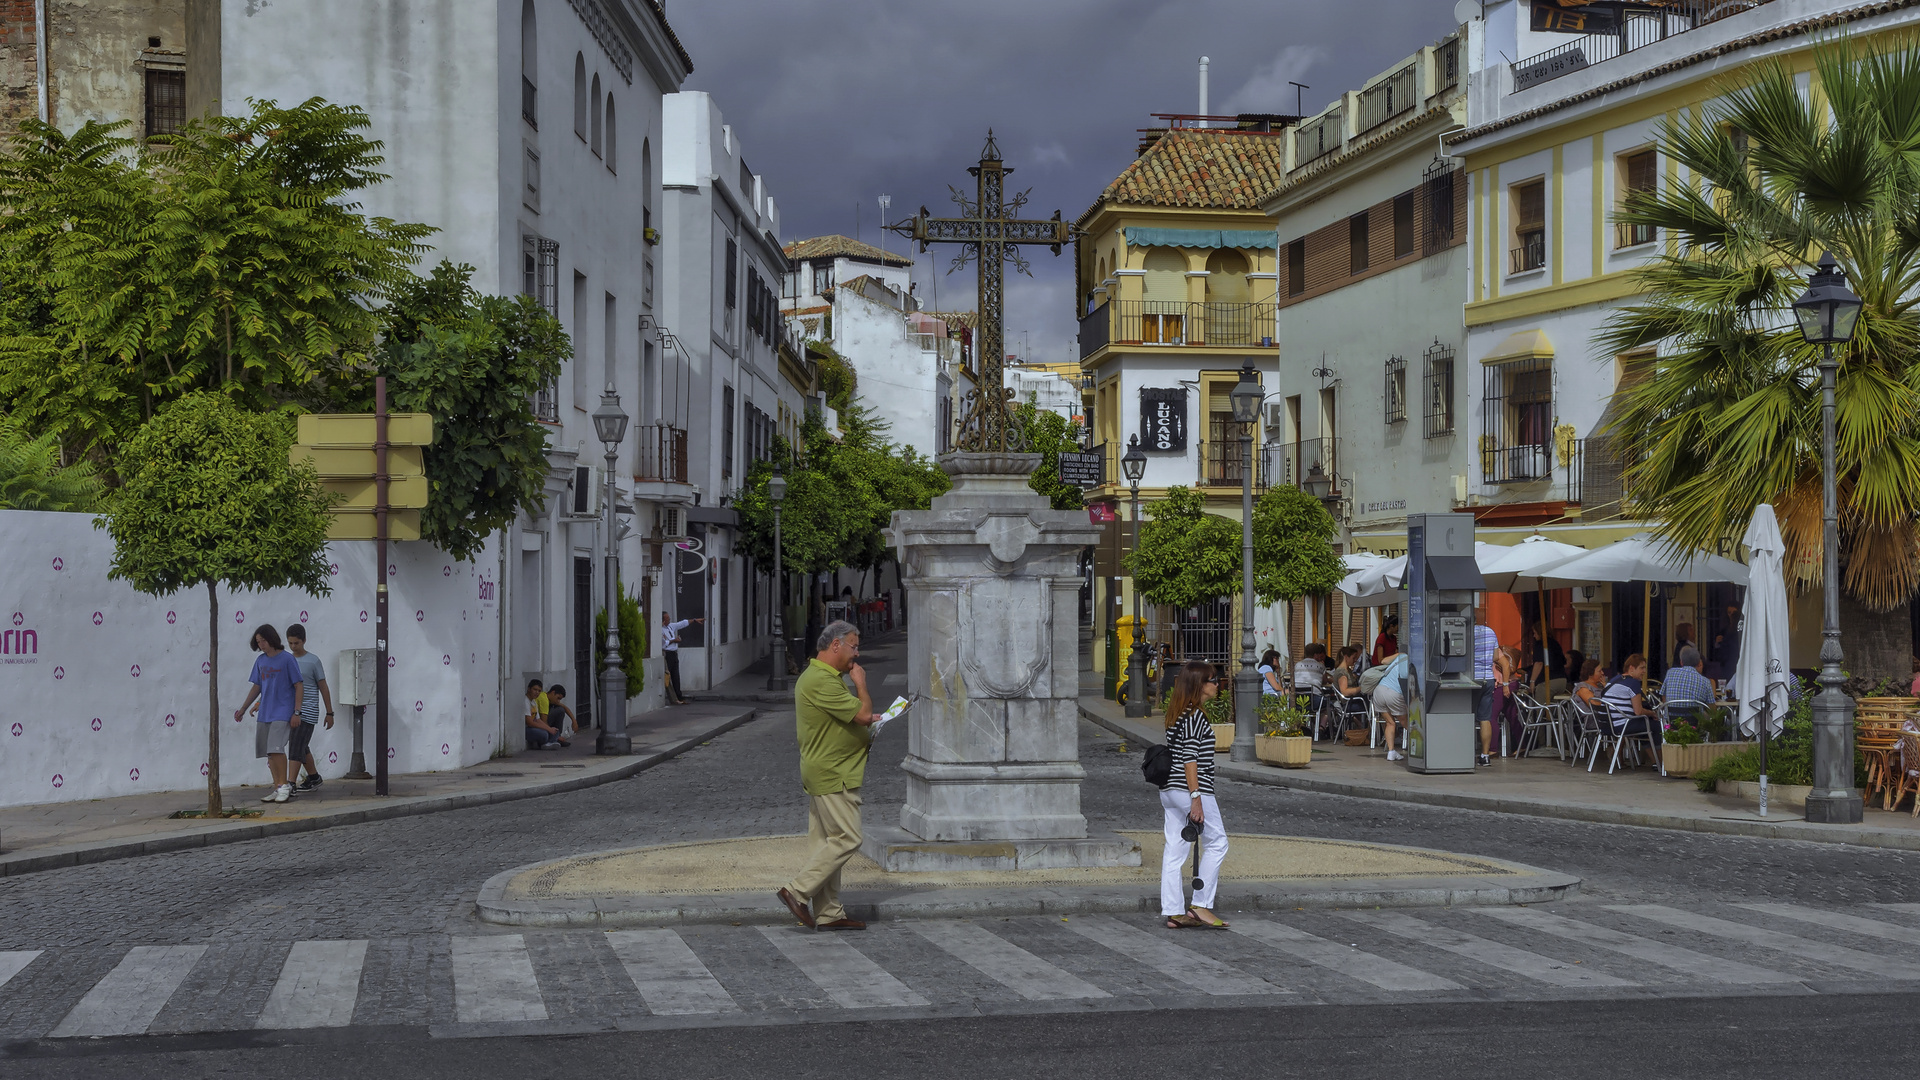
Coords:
pixel 1357 243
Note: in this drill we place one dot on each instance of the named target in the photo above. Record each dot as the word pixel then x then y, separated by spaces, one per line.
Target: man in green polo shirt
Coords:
pixel 834 737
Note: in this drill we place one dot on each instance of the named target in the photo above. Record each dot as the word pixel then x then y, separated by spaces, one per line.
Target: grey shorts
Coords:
pixel 270 738
pixel 1389 701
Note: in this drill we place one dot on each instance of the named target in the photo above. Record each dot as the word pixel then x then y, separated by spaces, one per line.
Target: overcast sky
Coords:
pixel 839 101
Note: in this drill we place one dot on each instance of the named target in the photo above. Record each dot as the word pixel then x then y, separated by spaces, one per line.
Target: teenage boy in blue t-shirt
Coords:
pixel 277 684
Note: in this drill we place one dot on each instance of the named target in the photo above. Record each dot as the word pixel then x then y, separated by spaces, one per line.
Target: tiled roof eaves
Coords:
pixel 1759 37
pixel 660 12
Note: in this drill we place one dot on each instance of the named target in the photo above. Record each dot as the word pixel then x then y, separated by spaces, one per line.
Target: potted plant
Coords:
pixel 1688 749
pixel 1220 715
pixel 1283 739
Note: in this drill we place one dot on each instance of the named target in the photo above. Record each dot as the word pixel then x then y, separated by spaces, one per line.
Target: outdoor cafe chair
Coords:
pixel 1617 719
pixel 1535 719
pixel 1589 729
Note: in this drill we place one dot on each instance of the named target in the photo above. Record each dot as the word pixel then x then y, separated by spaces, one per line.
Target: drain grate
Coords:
pixel 563 766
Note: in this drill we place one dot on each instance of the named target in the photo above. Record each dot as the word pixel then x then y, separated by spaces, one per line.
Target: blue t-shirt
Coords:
pixel 276 676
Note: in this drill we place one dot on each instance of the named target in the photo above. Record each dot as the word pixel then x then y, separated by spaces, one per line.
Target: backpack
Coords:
pixel 1370 681
pixel 1157 768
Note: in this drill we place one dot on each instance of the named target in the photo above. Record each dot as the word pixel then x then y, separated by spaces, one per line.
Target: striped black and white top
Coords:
pixel 1190 739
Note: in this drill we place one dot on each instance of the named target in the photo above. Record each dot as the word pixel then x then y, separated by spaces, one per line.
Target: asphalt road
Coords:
pixel 407 886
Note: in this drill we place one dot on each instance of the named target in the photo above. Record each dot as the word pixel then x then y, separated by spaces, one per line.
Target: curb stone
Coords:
pixel 109 850
pixel 1602 815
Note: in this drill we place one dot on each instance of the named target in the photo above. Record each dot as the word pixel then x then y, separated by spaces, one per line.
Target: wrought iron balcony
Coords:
pixel 1636 30
pixel 1530 255
pixel 663 454
pixel 1626 235
pixel 1175 323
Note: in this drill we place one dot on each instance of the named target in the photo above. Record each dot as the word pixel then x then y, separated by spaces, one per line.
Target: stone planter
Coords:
pixel 1286 751
pixel 1777 794
pixel 1223 738
pixel 1687 760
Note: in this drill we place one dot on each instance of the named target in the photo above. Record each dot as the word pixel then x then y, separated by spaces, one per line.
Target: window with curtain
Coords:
pixel 1529 211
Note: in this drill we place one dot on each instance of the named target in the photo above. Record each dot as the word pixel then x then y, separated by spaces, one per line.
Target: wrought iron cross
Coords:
pixel 991 237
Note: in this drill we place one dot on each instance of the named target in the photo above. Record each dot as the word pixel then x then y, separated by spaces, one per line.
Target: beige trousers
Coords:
pixel 833 826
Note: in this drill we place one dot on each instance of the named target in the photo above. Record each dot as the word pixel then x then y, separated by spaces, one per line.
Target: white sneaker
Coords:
pixel 1393 755
pixel 271 792
pixel 281 793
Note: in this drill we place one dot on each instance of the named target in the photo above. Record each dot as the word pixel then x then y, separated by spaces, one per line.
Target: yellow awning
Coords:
pixel 1521 345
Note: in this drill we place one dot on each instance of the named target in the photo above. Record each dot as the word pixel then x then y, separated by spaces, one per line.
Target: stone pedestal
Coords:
pixel 993 769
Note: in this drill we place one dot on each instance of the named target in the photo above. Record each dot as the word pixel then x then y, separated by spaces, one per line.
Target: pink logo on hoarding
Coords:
pixel 390 753
pixel 170 720
pixel 392 570
pixel 98 618
pixel 363 616
pixel 303 616
pixel 20 642
pixel 239 616
pixel 133 774
pixel 486 589
pixel 446 660
pixel 203 768
pixel 58 780
pixel 333 756
pixel 136 671
pixel 444 748
pixel 391 660
pixel 96 723
pixel 419 616
pixel 206 667
pixel 446 571
pixel 171 617
pixel 419 706
pixel 18 730
pixel 58 565
pixel 59 673
pixel 333 569
pixel 18 618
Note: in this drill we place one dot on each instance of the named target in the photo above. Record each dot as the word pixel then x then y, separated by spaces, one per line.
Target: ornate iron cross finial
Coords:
pixel 988 236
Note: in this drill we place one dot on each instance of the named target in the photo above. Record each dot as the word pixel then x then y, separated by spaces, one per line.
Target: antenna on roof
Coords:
pixel 885 201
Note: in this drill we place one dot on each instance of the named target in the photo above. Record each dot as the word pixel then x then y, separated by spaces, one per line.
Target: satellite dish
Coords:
pixel 1466 11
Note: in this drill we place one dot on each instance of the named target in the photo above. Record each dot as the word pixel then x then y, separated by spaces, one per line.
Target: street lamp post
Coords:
pixel 776 652
pixel 1134 465
pixel 1246 399
pixel 1827 313
pixel 610 424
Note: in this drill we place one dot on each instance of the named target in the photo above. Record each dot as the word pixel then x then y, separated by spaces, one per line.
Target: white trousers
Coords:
pixel 1173 864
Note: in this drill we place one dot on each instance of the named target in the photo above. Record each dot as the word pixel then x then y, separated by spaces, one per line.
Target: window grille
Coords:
pixel 1387 99
pixel 540 265
pixel 726 433
pixel 1396 389
pixel 1516 443
pixel 1318 139
pixel 1436 378
pixel 1438 184
pixel 1448 57
pixel 166 101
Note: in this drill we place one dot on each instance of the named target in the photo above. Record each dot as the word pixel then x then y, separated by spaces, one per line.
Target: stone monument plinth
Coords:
pixel 993 760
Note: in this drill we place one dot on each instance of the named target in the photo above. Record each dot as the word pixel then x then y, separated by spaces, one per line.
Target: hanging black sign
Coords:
pixel 1163 420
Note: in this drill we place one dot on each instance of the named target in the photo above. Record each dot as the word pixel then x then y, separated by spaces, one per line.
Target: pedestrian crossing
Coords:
pixel 480 983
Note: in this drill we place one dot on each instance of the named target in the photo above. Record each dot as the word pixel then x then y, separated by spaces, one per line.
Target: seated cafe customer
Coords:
pixel 1311 672
pixel 1628 710
pixel 1688 691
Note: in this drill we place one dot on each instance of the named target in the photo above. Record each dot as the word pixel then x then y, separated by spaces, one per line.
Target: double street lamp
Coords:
pixel 776 658
pixel 610 424
pixel 1246 399
pixel 1827 313
pixel 1134 465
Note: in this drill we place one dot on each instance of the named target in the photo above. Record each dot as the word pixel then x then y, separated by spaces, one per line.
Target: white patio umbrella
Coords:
pixel 1762 673
pixel 1383 583
pixel 1642 557
pixel 1517 567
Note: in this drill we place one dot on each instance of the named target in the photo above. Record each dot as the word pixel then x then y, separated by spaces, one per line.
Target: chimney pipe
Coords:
pixel 1203 89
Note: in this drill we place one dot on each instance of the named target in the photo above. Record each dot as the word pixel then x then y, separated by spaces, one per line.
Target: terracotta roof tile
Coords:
pixel 1199 167
pixel 833 246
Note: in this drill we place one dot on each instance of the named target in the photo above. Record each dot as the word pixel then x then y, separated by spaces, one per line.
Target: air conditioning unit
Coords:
pixel 1276 420
pixel 672 522
pixel 586 491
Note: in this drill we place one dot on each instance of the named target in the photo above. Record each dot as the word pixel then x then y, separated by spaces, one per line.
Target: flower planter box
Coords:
pixel 1777 794
pixel 1286 751
pixel 1223 738
pixel 1687 760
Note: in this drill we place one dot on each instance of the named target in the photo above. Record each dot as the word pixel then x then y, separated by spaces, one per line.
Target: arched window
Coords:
pixel 612 166
pixel 593 104
pixel 529 64
pixel 580 95
pixel 1226 277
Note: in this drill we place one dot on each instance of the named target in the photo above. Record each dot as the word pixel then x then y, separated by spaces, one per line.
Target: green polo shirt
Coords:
pixel 833 749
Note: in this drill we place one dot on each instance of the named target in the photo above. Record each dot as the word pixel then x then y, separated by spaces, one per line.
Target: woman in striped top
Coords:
pixel 1188 796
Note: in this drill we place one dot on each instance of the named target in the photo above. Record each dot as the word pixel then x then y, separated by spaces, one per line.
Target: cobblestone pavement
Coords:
pixel 406 888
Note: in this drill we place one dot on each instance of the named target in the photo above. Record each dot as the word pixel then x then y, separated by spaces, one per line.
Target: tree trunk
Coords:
pixel 213 703
pixel 1878 645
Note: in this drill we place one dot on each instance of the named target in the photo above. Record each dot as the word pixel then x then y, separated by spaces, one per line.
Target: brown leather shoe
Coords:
pixel 842 924
pixel 799 909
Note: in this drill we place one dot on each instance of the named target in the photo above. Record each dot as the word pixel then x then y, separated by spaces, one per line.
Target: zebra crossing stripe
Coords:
pixel 493 981
pixel 1687 961
pixel 318 987
pixel 670 978
pixel 1006 963
pixel 126 999
pixel 1348 961
pixel 848 977
pixel 1854 924
pixel 1791 944
pixel 1495 954
pixel 1197 970
pixel 13 963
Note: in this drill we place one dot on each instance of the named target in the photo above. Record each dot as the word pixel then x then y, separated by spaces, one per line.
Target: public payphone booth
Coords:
pixel 1442 577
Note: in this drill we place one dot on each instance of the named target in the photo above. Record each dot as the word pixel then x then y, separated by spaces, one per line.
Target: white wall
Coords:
pixel 111 697
pixel 897 378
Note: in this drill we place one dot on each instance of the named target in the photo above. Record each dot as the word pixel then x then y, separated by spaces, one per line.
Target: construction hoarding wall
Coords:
pixel 105 688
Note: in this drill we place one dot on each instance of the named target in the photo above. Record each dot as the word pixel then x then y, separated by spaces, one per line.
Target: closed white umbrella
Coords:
pixel 1762 672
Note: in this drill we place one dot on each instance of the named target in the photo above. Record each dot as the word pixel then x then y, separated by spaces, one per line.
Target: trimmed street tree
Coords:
pixel 1188 556
pixel 209 498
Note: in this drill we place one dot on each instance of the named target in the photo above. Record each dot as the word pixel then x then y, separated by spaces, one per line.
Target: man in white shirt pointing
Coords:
pixel 670 648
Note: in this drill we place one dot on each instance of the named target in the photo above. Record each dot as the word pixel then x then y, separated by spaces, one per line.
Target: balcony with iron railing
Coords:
pixel 1530 255
pixel 1176 323
pixel 1223 464
pixel 662 454
pixel 1627 234
pixel 546 403
pixel 1636 30
pixel 1292 463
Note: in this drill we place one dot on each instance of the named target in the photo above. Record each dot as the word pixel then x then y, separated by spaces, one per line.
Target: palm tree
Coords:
pixel 1728 414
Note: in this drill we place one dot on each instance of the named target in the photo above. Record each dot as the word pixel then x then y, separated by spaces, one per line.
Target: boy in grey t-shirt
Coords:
pixel 313 675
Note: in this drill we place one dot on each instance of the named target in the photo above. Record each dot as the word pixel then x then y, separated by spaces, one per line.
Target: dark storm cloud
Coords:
pixel 840 101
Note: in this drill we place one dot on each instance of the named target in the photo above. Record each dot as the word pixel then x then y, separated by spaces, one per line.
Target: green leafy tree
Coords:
pixel 1049 434
pixel 474 362
pixel 1728 415
pixel 32 478
pixel 633 643
pixel 210 499
pixel 234 258
pixel 1188 556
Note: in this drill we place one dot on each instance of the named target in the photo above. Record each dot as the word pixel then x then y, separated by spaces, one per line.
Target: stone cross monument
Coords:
pixel 993 761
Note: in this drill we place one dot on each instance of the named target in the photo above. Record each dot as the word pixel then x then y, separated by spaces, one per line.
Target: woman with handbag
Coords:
pixel 1187 800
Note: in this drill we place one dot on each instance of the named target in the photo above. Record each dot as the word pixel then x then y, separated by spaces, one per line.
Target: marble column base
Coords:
pixel 899 851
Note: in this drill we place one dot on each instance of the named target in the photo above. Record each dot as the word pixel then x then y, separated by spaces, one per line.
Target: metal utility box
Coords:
pixel 352 677
pixel 1442 577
